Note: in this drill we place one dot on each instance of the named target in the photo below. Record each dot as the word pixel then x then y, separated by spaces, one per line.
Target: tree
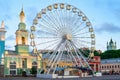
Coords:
pixel 33 70
pixel 110 54
pixel 24 73
pixel 96 53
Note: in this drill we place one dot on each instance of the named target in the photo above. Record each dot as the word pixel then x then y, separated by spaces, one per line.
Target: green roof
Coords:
pixel 22 26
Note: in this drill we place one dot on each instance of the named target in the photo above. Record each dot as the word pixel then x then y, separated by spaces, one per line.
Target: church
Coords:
pixel 111 45
pixel 15 62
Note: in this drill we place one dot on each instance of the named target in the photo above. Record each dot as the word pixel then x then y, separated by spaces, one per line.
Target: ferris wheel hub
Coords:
pixel 68 36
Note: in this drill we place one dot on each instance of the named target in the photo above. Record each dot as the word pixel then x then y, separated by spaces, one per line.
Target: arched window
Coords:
pixel 13 68
pixel 23 40
pixel 118 66
pixel 24 63
pixel 34 64
pixel 34 68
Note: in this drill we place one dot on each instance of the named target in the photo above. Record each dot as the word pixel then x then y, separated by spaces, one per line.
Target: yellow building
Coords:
pixel 20 60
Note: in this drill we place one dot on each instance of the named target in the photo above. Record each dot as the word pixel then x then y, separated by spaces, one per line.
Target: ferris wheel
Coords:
pixel 63 30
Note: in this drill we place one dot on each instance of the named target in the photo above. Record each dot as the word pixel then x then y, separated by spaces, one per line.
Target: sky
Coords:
pixel 103 14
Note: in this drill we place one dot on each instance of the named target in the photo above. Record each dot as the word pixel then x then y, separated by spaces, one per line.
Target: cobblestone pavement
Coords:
pixel 106 77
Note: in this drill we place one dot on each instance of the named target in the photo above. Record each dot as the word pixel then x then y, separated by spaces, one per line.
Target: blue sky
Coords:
pixel 103 14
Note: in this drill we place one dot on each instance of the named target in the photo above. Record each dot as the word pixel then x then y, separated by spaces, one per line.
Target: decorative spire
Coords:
pixel 111 41
pixel 115 43
pixel 107 43
pixel 22 16
pixel 2 24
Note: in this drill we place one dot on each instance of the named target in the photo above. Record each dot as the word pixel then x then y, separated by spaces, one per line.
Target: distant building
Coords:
pixel 111 45
pixel 95 64
pixel 110 66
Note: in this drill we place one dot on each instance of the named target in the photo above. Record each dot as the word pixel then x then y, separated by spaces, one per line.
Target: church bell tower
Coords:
pixel 22 46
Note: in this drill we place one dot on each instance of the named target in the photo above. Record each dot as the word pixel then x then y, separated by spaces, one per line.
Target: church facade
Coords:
pixel 111 45
pixel 20 60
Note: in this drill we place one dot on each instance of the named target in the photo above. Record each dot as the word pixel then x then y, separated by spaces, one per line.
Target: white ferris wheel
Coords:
pixel 64 30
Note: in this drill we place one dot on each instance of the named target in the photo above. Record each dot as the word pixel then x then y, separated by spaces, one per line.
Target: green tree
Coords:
pixel 33 70
pixel 96 53
pixel 110 54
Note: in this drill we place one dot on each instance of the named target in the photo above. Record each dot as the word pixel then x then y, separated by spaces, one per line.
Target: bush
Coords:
pixel 24 74
pixel 33 70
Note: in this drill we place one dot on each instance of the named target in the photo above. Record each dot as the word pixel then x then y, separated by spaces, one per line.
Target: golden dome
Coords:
pixel 22 16
pixel 22 13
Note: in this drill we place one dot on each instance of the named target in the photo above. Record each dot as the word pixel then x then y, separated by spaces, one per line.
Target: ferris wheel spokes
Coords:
pixel 77 56
pixel 81 56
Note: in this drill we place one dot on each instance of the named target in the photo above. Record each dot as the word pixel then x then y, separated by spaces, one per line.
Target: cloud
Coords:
pixel 108 27
pixel 11 37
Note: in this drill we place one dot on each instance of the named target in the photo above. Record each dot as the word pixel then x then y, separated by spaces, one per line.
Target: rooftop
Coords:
pixel 113 60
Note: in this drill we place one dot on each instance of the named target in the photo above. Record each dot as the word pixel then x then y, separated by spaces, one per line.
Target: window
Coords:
pixel 96 65
pixel 118 66
pixel 91 65
pixel 105 67
pixel 24 63
pixel 12 72
pixel 102 67
pixel 13 68
pixel 34 64
pixel 110 66
pixel 23 40
pixel 12 65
